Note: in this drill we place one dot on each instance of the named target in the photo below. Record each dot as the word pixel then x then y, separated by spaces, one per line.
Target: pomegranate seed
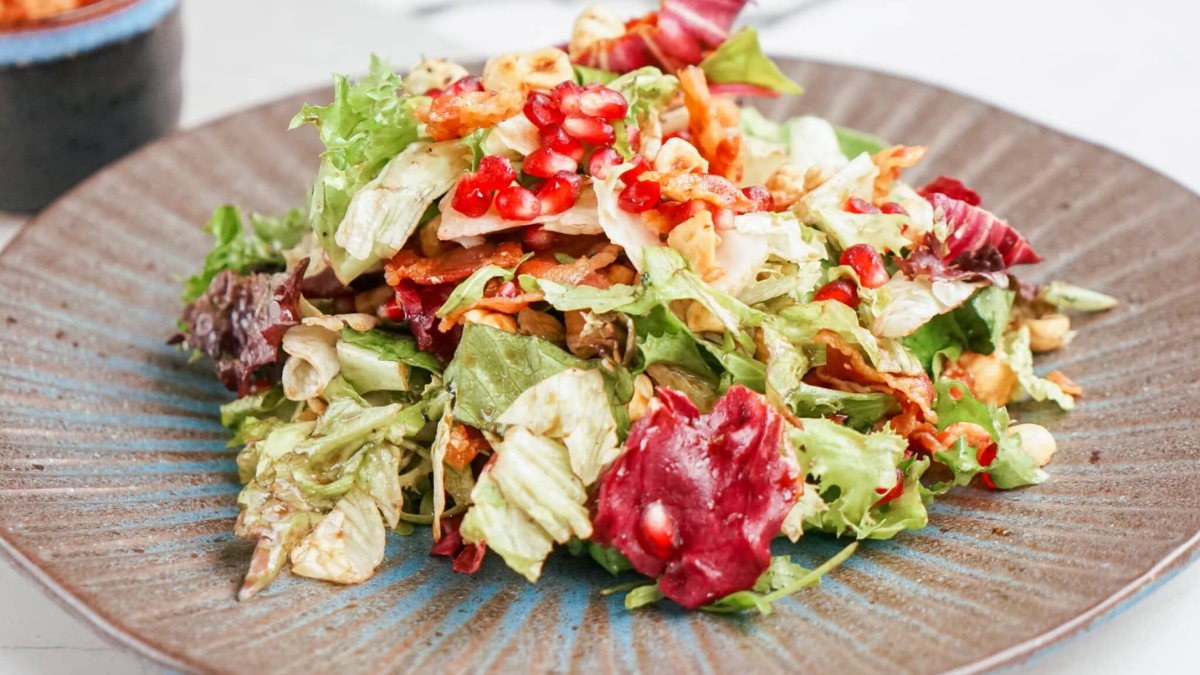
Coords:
pixel 867 264
pixel 566 96
pixel 602 160
pixel 603 102
pixel 986 455
pixel 858 205
pixel 392 311
pixel 433 93
pixel 552 136
pixel 842 290
pixel 470 197
pixel 640 166
pixel 496 172
pixel 559 192
pixel 657 532
pixel 545 162
pixel 896 491
pixel 542 110
pixel 892 208
pixel 538 238
pixel 589 129
pixel 464 85
pixel 639 196
pixel 677 212
pixel 508 289
pixel 517 203
pixel 763 201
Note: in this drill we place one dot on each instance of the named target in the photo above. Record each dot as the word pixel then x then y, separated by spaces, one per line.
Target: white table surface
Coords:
pixel 1117 72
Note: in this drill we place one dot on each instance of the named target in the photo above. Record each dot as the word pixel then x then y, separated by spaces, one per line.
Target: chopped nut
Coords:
pixel 643 391
pixel 496 320
pixel 503 71
pixel 1036 442
pixel 1047 333
pixel 541 325
pixel 696 240
pixel 678 156
pixel 619 274
pixel 545 68
pixel 993 380
pixel 432 74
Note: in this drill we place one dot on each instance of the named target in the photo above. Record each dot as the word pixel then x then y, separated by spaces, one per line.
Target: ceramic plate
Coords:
pixel 117 491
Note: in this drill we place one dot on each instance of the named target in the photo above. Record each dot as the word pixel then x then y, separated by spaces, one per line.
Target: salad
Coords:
pixel 588 300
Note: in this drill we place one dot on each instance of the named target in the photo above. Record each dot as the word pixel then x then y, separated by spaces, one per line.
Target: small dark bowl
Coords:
pixel 81 89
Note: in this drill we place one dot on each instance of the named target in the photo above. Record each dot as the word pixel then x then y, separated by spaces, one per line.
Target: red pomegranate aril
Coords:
pixel 552 136
pixel 657 532
pixel 495 172
pixel 763 201
pixel 602 160
pixel 545 162
pixel 639 196
pixel 896 491
pixel 433 93
pixel 640 166
pixel 463 85
pixel 589 129
pixel 559 192
pixel 867 264
pixel 859 205
pixel 517 203
pixel 985 456
pixel 842 290
pixel 508 289
pixel 603 102
pixel 893 209
pixel 542 110
pixel 538 238
pixel 470 197
pixel 566 96
pixel 392 311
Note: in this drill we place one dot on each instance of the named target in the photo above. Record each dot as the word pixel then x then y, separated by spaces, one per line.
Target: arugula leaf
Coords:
pixel 1012 467
pixel 1069 297
pixel 740 60
pixel 243 251
pixel 393 347
pixel 779 581
pixel 367 124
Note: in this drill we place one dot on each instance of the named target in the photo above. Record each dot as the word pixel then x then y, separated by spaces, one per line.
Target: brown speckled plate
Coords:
pixel 117 493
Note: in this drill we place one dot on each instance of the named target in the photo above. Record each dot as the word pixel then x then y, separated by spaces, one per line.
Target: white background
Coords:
pixel 1120 73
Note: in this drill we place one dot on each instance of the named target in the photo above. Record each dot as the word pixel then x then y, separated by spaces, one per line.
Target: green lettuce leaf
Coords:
pixel 392 347
pixel 854 142
pixel 862 411
pixel 1068 297
pixel 242 250
pixel 365 370
pixel 347 545
pixel 586 75
pixel 476 142
pixel 800 323
pixel 884 232
pixel 644 89
pixel 1019 357
pixel 977 325
pixel 1012 466
pixel 853 471
pixel 367 125
pixel 740 60
pixel 471 289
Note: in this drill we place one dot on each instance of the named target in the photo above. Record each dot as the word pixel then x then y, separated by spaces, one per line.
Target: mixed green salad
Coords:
pixel 587 299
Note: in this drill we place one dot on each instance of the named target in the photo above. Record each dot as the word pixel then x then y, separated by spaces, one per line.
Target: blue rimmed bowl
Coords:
pixel 81 89
pixel 118 493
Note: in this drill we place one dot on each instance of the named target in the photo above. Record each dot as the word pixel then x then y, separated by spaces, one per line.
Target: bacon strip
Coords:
pixel 844 363
pixel 450 267
pixel 717 144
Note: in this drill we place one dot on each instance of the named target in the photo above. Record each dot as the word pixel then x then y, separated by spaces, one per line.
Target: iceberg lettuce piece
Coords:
pixel 1019 357
pixel 508 531
pixel 348 544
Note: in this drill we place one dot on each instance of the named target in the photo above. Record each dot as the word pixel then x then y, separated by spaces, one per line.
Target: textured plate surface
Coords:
pixel 117 491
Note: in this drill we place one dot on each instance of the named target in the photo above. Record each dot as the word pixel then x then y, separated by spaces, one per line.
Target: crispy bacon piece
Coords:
pixel 1065 383
pixel 450 267
pixel 494 303
pixel 891 161
pixel 844 363
pixel 710 126
pixel 466 442
pixel 716 190
pixel 455 116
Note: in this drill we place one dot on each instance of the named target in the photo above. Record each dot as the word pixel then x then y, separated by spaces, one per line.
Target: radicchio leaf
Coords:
pixel 467 557
pixel 673 38
pixel 952 188
pixel 720 480
pixel 239 322
pixel 420 305
pixel 979 245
